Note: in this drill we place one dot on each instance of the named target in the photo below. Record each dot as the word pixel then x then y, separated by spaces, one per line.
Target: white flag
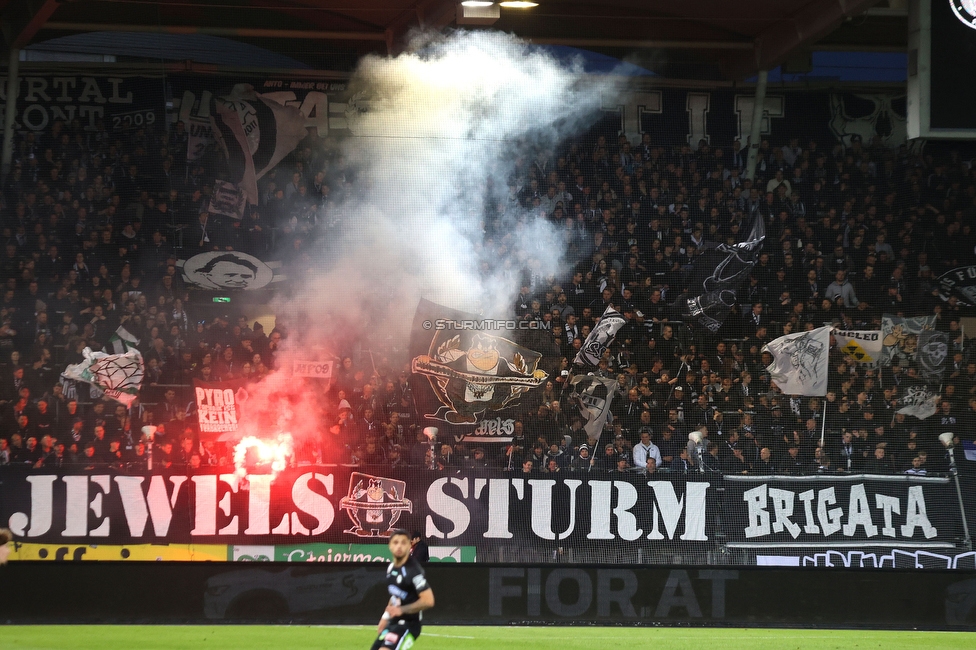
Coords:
pixel 118 375
pixel 862 346
pixel 919 401
pixel 799 364
pixel 257 132
pixel 122 341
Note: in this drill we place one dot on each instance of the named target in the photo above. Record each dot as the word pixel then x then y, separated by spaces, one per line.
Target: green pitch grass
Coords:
pixel 146 637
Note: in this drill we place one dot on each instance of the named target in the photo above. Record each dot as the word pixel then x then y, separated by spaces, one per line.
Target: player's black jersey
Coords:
pixel 405 585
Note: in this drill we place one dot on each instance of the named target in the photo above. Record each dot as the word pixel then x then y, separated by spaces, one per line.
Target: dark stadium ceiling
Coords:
pixel 709 39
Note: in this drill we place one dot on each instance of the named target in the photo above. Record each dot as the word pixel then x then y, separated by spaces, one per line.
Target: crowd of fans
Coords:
pixel 94 223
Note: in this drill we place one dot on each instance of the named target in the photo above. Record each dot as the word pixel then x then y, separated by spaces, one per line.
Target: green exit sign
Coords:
pixel 221 299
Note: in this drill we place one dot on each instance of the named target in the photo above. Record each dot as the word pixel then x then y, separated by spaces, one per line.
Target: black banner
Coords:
pixel 959 283
pixel 841 511
pixel 349 505
pixel 579 516
pixel 470 378
pixel 120 101
pixel 670 115
pixel 323 104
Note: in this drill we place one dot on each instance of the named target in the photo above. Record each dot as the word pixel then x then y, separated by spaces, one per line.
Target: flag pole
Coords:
pixel 823 425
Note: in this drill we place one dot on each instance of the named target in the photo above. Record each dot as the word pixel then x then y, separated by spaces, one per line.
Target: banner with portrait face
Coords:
pixel 229 270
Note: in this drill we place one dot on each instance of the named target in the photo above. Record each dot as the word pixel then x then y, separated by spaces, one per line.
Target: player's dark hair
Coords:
pixel 399 531
pixel 5 536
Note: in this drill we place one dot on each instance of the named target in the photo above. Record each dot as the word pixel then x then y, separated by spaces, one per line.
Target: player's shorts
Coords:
pixel 398 636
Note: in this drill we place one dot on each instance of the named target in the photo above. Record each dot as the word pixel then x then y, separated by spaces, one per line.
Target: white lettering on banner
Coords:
pixel 259 505
pixel 859 513
pixel 542 507
pixel 638 104
pixel 498 493
pixel 626 522
pixel 224 504
pixel 116 98
pixel 214 510
pixel 968 273
pixel 315 107
pixel 90 92
pixel 70 98
pixel 77 505
pixel 84 494
pixel 697 105
pixel 807 498
pixel 915 515
pixel 42 508
pixel 758 517
pixel 745 104
pixel 205 505
pixel 216 409
pixel 452 509
pixel 521 592
pixel 139 507
pixel 600 511
pixel 888 505
pixel 782 511
pixel 829 519
pixel 495 427
pixel 670 507
pixel 311 502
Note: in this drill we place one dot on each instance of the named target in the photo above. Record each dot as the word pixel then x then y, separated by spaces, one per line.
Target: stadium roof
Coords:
pixel 708 39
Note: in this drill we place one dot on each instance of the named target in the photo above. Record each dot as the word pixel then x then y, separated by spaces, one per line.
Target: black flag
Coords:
pixel 709 286
pixel 469 376
pixel 932 354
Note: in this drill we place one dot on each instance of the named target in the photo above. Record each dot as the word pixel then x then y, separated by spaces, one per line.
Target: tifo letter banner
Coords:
pixel 344 505
pixel 835 511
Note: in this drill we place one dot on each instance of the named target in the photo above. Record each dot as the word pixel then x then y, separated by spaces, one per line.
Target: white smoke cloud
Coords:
pixel 434 129
pixel 435 125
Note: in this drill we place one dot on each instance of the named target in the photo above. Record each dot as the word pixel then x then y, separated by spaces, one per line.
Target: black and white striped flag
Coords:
pixel 256 133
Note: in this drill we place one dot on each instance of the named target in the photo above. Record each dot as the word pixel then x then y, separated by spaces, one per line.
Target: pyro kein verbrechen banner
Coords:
pixel 218 406
pixel 470 377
